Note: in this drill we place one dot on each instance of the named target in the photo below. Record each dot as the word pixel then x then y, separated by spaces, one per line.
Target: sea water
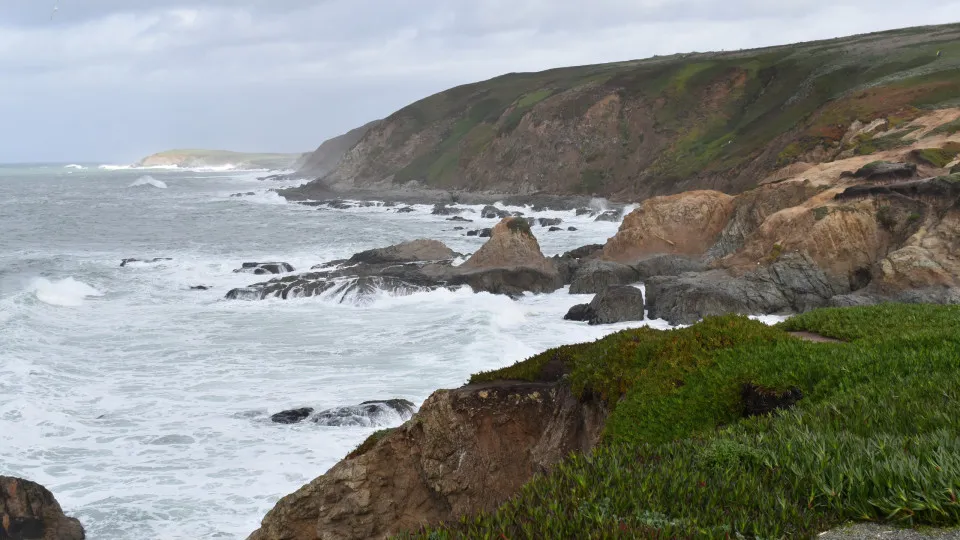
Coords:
pixel 144 405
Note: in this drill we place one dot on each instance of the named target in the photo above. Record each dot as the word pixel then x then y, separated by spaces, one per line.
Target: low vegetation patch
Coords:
pixel 870 434
pixel 937 157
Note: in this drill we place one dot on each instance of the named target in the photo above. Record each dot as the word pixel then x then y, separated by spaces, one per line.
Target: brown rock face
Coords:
pixel 930 257
pixel 28 511
pixel 684 224
pixel 467 450
pixel 511 245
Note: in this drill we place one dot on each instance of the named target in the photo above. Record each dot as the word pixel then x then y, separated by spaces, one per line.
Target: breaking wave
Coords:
pixel 74 166
pixel 66 292
pixel 149 181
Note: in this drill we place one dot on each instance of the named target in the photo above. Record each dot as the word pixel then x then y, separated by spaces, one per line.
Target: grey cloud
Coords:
pixel 110 79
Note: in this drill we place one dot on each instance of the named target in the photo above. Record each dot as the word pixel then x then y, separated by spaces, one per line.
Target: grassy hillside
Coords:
pixel 660 125
pixel 873 434
pixel 220 158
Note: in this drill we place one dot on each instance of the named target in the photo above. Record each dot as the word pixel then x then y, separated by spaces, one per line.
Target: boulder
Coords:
pixel 619 303
pixel 792 284
pixel 473 233
pixel 512 282
pixel 584 212
pixel 441 209
pixel 580 313
pixel 492 212
pixel 485 233
pixel 667 265
pixel 339 205
pixel 590 251
pixel 609 215
pixel 28 511
pixel 415 250
pixel 367 414
pixel 554 229
pixel 549 222
pixel 200 288
pixel 292 416
pixel 511 245
pixel 594 276
pixel 571 229
pixel 261 268
pixel 125 262
pixel 406 210
pixel 460 219
pixel 684 224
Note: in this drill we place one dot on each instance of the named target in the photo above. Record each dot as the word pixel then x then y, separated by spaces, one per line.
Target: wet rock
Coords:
pixel 460 219
pixel 200 288
pixel 549 222
pixel 28 511
pixel 571 229
pixel 509 281
pixel 473 233
pixel 441 209
pixel 492 212
pixel 510 261
pixel 594 276
pixel 292 416
pixel 585 252
pixel 406 210
pixel 259 268
pixel 580 312
pixel 339 205
pixel 367 414
pixel 485 233
pixel 616 304
pixel 609 215
pixel 554 229
pixel 759 401
pixel 584 211
pixel 458 228
pixel 125 262
pixel 413 251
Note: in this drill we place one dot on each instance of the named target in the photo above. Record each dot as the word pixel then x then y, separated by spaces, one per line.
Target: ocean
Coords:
pixel 144 405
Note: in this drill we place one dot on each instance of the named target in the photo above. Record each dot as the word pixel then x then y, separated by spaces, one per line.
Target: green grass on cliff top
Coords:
pixel 875 437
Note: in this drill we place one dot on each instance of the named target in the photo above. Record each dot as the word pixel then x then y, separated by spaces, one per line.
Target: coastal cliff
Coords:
pixel 664 125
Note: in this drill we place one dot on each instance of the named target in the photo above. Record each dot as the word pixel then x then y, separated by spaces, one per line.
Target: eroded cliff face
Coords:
pixel 465 451
pixel 632 130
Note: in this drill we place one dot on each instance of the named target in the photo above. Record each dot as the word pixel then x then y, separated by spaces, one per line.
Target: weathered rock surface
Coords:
pixel 568 263
pixel 466 450
pixel 412 251
pixel 28 511
pixel 549 222
pixel 492 212
pixel 594 276
pixel 794 283
pixel 619 303
pixel 579 312
pixel 885 170
pixel 441 209
pixel 366 414
pixel 667 265
pixel 261 268
pixel 686 224
pixel 509 263
pixel 125 262
pixel 610 215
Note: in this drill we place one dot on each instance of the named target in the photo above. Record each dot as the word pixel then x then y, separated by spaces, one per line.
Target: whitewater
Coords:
pixel 144 405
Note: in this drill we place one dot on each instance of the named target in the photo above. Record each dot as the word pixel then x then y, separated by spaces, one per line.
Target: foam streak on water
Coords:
pixel 144 405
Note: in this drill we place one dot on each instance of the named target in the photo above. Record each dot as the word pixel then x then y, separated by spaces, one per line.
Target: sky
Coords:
pixel 111 81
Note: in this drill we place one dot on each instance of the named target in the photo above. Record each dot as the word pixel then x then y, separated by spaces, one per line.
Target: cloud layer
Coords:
pixel 115 79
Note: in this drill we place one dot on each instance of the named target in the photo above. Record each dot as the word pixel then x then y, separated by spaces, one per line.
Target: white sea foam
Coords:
pixel 66 292
pixel 149 181
pixel 74 166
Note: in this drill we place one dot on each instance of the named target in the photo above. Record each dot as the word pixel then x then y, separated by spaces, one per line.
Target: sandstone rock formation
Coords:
pixel 688 223
pixel 28 511
pixel 509 263
pixel 466 450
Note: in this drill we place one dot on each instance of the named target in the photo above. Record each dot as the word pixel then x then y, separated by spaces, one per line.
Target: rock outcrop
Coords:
pixel 328 155
pixel 28 511
pixel 465 451
pixel 685 224
pixel 592 277
pixel 261 268
pixel 509 263
pixel 366 414
pixel 413 251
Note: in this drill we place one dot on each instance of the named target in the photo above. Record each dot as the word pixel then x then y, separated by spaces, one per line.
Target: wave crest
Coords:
pixel 149 181
pixel 66 292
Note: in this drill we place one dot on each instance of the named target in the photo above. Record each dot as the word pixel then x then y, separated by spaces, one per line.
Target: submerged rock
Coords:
pixel 554 229
pixel 125 262
pixel 460 219
pixel 441 209
pixel 200 288
pixel 366 414
pixel 406 210
pixel 549 222
pixel 292 416
pixel 609 215
pixel 259 268
pixel 28 511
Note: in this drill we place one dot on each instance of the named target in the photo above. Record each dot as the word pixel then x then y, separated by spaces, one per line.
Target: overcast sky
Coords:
pixel 114 80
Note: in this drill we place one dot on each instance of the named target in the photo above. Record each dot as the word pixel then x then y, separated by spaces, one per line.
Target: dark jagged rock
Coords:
pixel 367 414
pixel 259 268
pixel 584 211
pixel 492 212
pixel 759 401
pixel 311 203
pixel 554 229
pixel 406 210
pixel 610 215
pixel 28 511
pixel 441 209
pixel 485 233
pixel 926 295
pixel 413 251
pixel 460 219
pixel 792 284
pixel 292 416
pixel 940 187
pixel 616 304
pixel 593 276
pixel 473 233
pixel 667 265
pixel 338 205
pixel 585 252
pixel 458 228
pixel 885 170
pixel 125 262
pixel 509 281
pixel 200 288
pixel 580 312
pixel 549 222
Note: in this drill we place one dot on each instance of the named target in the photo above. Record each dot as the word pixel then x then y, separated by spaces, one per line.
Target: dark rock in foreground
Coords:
pixel 125 262
pixel 441 209
pixel 592 277
pixel 667 265
pixel 259 268
pixel 616 304
pixel 28 511
pixel 610 215
pixel 579 312
pixel 415 250
pixel 885 170
pixel 366 414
